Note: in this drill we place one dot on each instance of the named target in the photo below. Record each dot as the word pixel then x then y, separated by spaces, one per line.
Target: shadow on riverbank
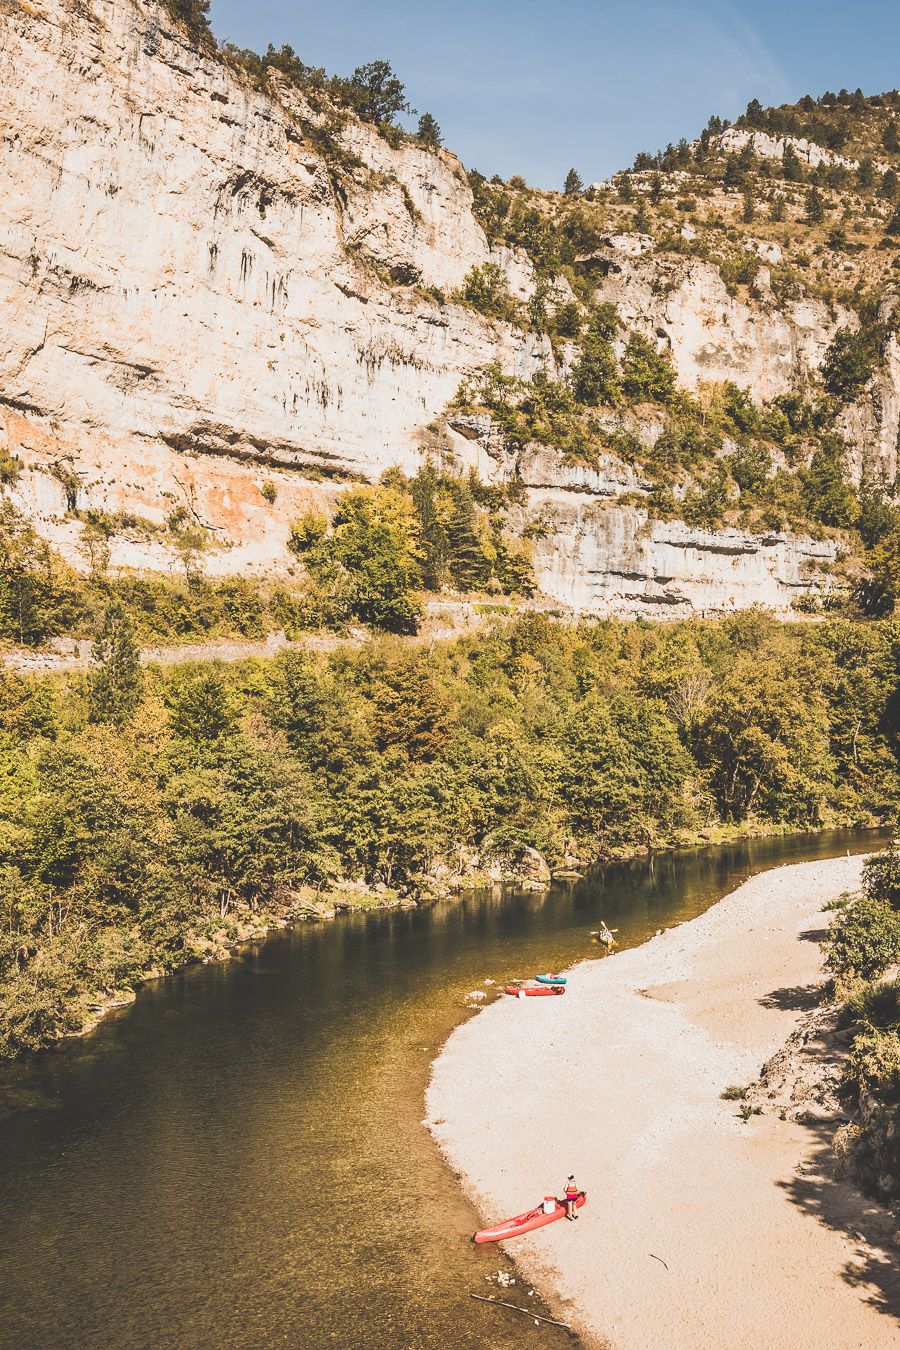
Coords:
pixel 817 1190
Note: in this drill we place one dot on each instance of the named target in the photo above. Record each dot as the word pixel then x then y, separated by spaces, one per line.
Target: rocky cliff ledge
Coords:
pixel 198 304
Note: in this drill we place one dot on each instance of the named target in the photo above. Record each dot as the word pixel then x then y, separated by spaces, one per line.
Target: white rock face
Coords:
pixel 613 560
pixel 684 305
pixel 195 305
pixel 178 277
pixel 773 147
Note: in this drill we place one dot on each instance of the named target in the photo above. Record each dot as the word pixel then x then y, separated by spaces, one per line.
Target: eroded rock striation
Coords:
pixel 200 298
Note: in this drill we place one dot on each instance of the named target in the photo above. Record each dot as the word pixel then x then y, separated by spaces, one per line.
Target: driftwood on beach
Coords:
pixel 499 1303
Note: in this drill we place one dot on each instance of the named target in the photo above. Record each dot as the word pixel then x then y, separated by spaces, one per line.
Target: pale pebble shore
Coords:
pixel 620 1083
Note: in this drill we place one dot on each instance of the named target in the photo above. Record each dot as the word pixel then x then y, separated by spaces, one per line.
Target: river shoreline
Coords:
pixel 702 1223
pixel 245 927
pixel 237 1060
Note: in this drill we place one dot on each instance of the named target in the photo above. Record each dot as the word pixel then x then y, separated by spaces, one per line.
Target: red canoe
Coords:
pixel 524 1223
pixel 535 990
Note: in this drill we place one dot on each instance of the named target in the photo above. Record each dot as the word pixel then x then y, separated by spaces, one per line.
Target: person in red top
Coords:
pixel 572 1194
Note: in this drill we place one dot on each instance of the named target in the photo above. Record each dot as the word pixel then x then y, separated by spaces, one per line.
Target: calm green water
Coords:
pixel 238 1159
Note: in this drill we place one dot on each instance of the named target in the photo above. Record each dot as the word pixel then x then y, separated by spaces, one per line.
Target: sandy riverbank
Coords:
pixel 620 1082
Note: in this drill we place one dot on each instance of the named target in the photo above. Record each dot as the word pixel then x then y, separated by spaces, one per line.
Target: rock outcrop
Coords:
pixel 186 297
pixel 203 297
pixel 712 335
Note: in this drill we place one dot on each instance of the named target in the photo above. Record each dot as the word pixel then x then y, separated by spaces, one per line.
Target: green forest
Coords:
pixel 369 565
pixel 146 816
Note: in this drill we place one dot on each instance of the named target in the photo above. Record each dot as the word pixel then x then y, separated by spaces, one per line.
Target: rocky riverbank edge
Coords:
pixel 806 1082
pixel 244 924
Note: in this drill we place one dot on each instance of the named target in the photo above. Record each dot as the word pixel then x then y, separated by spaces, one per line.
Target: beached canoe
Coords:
pixel 525 1223
pixel 534 990
pixel 551 979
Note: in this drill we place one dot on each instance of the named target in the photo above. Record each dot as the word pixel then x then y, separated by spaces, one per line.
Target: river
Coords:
pixel 238 1158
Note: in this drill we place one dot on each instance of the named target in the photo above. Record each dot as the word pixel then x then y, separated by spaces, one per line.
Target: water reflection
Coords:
pixel 238 1159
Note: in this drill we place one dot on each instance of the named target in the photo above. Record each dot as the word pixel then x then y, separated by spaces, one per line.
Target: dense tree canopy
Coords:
pixel 138 840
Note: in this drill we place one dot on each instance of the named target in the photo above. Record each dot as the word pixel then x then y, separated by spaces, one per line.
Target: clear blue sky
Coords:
pixel 532 87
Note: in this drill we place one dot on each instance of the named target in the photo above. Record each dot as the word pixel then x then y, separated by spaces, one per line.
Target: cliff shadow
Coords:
pixel 819 1191
pixel 795 998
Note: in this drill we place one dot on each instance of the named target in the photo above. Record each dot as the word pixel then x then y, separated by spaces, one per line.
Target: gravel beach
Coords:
pixel 702 1229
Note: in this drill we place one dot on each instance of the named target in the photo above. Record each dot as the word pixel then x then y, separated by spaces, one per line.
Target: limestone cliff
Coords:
pixel 199 300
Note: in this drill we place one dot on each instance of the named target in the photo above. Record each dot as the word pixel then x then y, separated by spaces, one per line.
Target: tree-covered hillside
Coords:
pixel 147 820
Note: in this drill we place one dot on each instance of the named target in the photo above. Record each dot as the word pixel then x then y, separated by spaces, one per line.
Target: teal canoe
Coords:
pixel 550 979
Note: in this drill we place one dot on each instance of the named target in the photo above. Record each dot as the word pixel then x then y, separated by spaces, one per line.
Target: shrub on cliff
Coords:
pixel 849 364
pixel 647 376
pixel 487 290
pixel 864 938
pixel 194 14
pixel 828 491
pixel 596 377
pixel 751 466
pixel 567 320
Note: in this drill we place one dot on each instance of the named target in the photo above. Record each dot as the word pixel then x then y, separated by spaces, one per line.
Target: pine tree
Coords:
pixel 200 707
pixel 469 566
pixel 377 94
pixel 890 184
pixel 115 682
pixel 625 189
pixel 425 491
pixel 791 167
pixel 891 139
pixel 573 183
pixel 749 214
pixel 777 210
pixel 642 218
pixel 815 207
pixel 429 133
pixel 754 114
pixel 746 160
pixel 656 189
pixel 733 173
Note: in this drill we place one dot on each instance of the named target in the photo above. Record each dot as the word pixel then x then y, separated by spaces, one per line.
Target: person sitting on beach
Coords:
pixel 572 1194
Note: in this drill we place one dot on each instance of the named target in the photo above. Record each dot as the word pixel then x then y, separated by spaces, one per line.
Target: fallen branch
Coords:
pixel 498 1303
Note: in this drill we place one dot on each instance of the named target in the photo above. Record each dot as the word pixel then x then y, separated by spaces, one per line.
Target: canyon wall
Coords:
pixel 200 301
